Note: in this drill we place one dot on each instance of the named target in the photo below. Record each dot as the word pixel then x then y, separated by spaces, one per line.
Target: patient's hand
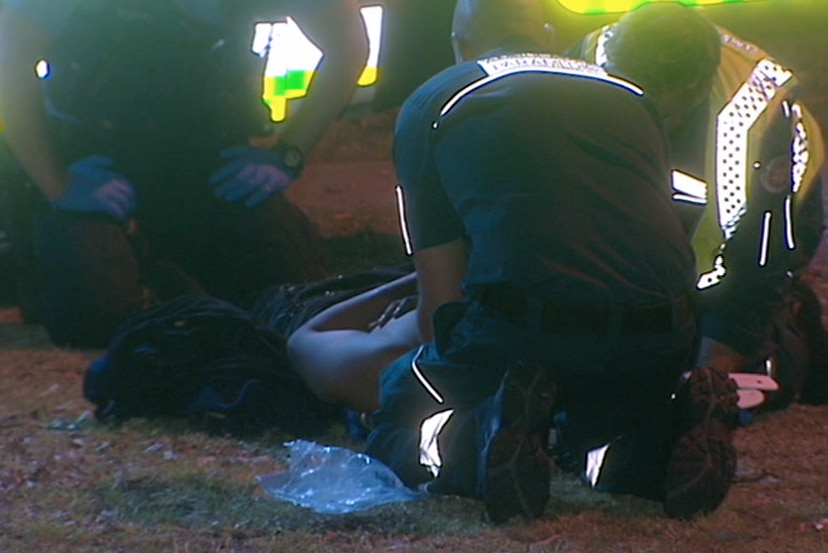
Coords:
pixel 395 309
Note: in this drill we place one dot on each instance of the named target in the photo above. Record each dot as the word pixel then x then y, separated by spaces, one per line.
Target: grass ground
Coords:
pixel 70 484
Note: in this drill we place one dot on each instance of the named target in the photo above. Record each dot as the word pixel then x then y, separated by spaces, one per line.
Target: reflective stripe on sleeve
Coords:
pixel 687 188
pixel 790 239
pixel 406 234
pixel 764 244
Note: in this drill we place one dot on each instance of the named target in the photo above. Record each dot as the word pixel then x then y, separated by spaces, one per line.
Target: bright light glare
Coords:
pixel 292 59
pixel 42 69
pixel 618 6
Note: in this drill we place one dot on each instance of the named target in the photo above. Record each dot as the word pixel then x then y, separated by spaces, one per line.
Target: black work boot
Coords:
pixel 703 459
pixel 515 469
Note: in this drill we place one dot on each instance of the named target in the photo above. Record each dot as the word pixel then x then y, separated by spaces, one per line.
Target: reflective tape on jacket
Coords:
pixel 749 91
pixel 499 67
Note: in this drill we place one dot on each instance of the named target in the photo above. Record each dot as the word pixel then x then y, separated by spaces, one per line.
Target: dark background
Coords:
pixel 795 32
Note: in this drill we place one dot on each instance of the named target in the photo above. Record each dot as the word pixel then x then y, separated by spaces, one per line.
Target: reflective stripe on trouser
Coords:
pixel 428 396
pixel 610 385
pixel 425 404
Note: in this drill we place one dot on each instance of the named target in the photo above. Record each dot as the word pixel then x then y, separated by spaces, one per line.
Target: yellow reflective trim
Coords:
pixel 618 6
pixel 292 59
pixel 372 15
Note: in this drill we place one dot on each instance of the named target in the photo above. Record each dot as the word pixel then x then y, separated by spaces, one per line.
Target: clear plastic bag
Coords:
pixel 335 480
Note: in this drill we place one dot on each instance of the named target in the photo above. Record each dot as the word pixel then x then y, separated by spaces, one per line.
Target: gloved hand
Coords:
pixel 93 188
pixel 252 173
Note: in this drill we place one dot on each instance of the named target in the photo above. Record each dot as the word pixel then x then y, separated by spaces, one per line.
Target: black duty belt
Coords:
pixel 557 317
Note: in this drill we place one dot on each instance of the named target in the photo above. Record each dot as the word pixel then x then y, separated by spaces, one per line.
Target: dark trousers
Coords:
pixel 611 386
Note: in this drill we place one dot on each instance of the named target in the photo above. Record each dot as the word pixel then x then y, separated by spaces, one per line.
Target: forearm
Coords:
pixel 24 129
pixel 340 33
pixel 21 105
pixel 330 91
pixel 359 312
pixel 440 273
pixel 343 366
pixel 340 357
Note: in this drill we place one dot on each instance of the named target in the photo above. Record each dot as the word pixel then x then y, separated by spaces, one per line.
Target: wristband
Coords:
pixel 293 161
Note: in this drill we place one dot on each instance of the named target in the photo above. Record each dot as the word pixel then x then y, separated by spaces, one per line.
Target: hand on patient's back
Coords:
pixel 94 188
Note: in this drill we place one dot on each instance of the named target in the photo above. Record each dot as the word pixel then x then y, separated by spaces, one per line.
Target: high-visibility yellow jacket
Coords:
pixel 748 188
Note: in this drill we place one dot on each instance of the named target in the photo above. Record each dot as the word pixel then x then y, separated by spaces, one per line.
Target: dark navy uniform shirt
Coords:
pixel 555 173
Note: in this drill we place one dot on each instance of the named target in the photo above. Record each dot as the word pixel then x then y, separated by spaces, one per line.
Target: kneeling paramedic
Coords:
pixel 554 277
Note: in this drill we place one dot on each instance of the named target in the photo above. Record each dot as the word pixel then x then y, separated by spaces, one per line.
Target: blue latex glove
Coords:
pixel 252 173
pixel 93 188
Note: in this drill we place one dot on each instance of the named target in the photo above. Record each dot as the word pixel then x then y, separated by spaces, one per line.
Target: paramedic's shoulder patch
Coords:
pixel 735 42
pixel 775 176
pixel 514 62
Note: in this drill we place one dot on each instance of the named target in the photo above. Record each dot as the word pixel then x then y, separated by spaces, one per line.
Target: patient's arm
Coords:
pixel 341 351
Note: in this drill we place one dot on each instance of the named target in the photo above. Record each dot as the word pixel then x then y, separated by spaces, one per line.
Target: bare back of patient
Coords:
pixel 341 351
